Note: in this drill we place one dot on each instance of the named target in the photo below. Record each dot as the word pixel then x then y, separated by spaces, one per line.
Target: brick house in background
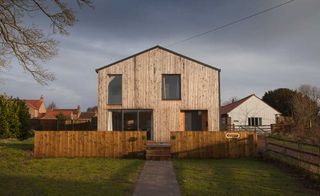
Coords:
pixel 36 107
pixel 70 114
pixel 46 119
pixel 87 115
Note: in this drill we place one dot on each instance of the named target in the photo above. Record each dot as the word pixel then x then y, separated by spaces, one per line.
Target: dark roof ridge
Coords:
pixel 163 48
pixel 229 107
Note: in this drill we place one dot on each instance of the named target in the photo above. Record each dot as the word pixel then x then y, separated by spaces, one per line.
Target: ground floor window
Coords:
pixel 255 121
pixel 130 120
pixel 195 120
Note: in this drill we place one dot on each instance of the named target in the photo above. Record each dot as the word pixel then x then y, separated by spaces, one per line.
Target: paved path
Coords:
pixel 156 179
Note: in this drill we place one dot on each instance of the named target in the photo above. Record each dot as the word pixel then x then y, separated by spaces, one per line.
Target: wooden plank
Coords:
pixel 36 144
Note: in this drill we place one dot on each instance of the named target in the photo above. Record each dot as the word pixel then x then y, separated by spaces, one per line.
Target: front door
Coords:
pixel 194 120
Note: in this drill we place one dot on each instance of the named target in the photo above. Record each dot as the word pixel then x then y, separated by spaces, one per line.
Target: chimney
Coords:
pixel 78 108
pixel 42 98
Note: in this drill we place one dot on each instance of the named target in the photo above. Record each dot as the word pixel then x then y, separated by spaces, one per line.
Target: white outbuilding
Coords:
pixel 248 113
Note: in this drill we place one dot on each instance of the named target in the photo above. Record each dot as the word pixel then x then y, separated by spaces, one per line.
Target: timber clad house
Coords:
pixel 158 91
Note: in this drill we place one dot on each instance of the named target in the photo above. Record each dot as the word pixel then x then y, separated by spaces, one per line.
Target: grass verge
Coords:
pixel 237 177
pixel 20 174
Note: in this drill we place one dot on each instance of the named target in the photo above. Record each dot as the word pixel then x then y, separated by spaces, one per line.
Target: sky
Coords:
pixel 280 48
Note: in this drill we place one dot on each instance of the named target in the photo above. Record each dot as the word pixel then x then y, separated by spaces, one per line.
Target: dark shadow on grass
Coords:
pixel 228 149
pixel 18 146
pixel 121 182
pixel 25 185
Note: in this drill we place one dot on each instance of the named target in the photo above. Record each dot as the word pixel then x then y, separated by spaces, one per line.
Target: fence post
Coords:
pixel 318 165
pixel 266 144
pixel 299 147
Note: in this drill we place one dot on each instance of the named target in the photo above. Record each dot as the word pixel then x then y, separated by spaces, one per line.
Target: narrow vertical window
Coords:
pixel 255 121
pixel 115 89
pixel 171 89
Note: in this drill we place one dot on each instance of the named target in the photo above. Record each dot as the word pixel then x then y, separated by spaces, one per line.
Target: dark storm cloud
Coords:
pixel 277 49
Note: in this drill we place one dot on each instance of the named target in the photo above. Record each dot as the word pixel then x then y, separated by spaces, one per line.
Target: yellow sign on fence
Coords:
pixel 232 135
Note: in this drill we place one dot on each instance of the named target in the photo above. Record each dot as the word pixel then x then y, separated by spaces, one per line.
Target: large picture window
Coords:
pixel 130 120
pixel 255 121
pixel 171 89
pixel 115 89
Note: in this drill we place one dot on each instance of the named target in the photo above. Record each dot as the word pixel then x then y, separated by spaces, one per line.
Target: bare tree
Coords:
pixel 92 109
pixel 231 100
pixel 306 110
pixel 28 44
pixel 312 92
pixel 52 105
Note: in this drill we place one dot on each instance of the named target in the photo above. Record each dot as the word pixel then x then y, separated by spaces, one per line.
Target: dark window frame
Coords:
pixel 162 87
pixel 122 111
pixel 203 127
pixel 108 76
pixel 254 121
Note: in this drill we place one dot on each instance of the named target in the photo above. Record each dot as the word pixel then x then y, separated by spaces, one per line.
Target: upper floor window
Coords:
pixel 171 89
pixel 255 121
pixel 115 89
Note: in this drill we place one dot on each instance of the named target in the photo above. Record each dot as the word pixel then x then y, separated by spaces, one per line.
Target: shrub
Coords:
pixel 14 118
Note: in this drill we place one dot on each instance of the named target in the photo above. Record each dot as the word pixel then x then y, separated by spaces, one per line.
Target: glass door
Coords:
pixel 131 120
pixel 145 123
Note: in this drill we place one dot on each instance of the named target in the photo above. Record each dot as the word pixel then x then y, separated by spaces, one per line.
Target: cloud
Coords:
pixel 277 49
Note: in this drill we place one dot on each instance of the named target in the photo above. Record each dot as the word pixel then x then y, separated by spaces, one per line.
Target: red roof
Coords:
pixel 52 114
pixel 35 104
pixel 87 115
pixel 229 107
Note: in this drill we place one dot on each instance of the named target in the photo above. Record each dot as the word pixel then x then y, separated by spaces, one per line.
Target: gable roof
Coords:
pixel 160 47
pixel 229 107
pixel 51 114
pixel 87 115
pixel 35 104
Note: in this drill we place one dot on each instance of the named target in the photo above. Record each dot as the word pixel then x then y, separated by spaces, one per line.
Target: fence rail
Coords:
pixel 213 144
pixel 64 125
pixel 89 143
pixel 301 155
pixel 116 144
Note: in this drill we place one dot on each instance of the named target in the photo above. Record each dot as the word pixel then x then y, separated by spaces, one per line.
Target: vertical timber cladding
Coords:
pixel 142 89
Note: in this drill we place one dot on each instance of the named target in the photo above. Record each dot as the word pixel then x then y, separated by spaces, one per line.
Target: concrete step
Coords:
pixel 159 148
pixel 158 157
pixel 158 151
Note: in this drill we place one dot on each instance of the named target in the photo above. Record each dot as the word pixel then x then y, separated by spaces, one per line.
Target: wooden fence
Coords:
pixel 213 144
pixel 301 155
pixel 89 143
pixel 64 125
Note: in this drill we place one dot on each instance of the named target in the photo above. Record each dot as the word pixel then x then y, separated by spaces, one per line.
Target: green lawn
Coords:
pixel 236 177
pixel 21 174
